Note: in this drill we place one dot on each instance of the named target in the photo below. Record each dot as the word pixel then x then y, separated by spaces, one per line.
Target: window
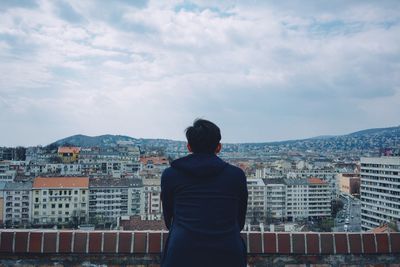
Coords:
pixel 36 199
pixel 44 206
pixel 44 193
pixel 67 205
pixel 60 205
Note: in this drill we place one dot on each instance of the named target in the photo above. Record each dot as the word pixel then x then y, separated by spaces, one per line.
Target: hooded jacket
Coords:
pixel 204 203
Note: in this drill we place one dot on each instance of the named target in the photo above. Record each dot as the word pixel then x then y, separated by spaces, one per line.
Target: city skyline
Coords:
pixel 261 71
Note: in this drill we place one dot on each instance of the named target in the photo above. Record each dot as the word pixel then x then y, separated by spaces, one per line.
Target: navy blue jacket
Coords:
pixel 204 203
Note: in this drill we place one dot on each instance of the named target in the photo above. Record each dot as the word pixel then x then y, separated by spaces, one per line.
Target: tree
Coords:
pixel 336 206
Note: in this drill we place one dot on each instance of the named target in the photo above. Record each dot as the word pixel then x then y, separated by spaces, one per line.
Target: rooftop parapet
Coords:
pixel 261 247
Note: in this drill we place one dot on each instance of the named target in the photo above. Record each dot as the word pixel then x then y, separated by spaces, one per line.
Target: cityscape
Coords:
pixel 113 182
pixel 96 102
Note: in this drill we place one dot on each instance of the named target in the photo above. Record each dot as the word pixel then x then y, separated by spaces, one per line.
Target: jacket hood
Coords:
pixel 200 165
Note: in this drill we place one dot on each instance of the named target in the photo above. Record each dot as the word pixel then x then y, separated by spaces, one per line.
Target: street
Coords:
pixel 349 218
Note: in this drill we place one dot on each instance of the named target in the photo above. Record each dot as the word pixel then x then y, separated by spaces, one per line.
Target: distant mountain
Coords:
pixel 361 140
pixel 90 141
pixel 111 140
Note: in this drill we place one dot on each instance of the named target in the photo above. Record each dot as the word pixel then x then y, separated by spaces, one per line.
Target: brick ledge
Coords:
pixel 43 242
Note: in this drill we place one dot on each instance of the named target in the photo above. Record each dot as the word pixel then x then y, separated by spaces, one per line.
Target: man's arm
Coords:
pixel 242 201
pixel 166 199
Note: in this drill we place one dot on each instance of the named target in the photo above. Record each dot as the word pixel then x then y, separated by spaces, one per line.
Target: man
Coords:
pixel 204 203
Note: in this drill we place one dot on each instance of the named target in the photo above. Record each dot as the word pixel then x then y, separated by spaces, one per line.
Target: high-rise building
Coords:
pixel 380 191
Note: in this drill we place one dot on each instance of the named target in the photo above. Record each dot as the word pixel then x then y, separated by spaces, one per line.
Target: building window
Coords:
pixel 67 205
pixel 60 205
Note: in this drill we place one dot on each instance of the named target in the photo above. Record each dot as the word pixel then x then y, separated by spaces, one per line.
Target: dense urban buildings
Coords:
pixel 117 184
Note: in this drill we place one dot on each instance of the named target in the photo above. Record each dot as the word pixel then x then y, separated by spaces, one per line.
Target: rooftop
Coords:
pixel 61 182
pixel 69 149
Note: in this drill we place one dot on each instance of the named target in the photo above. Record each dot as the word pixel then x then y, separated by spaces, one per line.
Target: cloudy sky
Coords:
pixel 262 70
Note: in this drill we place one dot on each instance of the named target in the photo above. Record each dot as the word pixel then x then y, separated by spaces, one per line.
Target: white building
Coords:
pixel 110 199
pixel 152 200
pixel 275 192
pixel 17 204
pixel 60 200
pixel 380 191
pixel 256 200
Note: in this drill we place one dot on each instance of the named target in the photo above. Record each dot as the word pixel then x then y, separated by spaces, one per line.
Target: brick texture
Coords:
pixel 269 243
pixel 284 243
pixel 65 242
pixel 382 242
pixel 50 243
pixel 312 244
pixel 35 242
pixel 80 242
pixel 21 242
pixel 327 243
pixel 355 243
pixel 95 242
pixel 154 242
pixel 395 242
pixel 341 244
pixel 110 243
pixel 6 242
pixel 124 243
pixel 298 241
pixel 368 241
pixel 140 243
pixel 255 241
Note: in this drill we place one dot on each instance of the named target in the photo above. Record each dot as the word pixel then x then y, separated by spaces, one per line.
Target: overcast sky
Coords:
pixel 263 71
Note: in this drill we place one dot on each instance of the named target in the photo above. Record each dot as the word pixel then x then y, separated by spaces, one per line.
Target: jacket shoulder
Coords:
pixel 236 171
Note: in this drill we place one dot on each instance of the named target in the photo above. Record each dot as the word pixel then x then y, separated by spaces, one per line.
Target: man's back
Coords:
pixel 204 202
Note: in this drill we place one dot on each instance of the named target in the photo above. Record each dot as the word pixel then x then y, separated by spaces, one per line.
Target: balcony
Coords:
pixel 143 248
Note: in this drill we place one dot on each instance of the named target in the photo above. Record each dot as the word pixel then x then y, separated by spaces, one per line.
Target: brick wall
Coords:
pixel 151 242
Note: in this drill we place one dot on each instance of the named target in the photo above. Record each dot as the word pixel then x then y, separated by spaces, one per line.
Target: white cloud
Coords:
pixel 149 70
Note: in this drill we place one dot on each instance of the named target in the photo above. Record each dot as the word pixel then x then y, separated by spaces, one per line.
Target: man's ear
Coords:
pixel 189 148
pixel 218 149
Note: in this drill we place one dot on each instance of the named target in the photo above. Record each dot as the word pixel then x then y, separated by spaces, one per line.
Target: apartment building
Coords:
pixel 152 200
pixel 328 175
pixel 255 200
pixel 319 200
pixel 60 200
pixel 7 174
pixel 275 202
pixel 296 198
pixel 349 183
pixel 110 199
pixel 17 204
pixel 380 191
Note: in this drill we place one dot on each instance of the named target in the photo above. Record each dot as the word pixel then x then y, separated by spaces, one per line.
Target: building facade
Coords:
pixel 380 191
pixel 17 204
pixel 60 200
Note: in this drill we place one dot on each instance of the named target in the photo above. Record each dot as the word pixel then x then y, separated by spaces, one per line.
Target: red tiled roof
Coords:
pixel 61 182
pixel 69 149
pixel 314 180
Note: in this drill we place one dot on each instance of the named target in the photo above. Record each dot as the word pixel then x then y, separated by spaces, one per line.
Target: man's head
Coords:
pixel 203 137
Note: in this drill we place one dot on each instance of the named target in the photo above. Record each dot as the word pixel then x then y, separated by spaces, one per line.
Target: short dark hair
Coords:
pixel 203 137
